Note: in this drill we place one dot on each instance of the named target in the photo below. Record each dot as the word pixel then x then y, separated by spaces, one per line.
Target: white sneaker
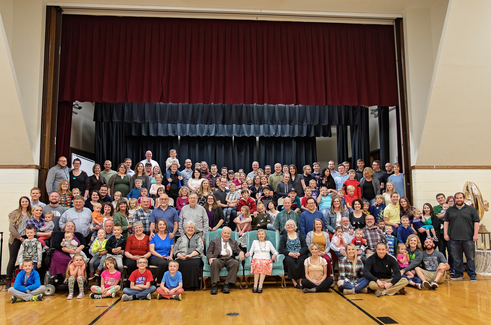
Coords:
pixel 126 297
pixel 149 296
pixel 379 293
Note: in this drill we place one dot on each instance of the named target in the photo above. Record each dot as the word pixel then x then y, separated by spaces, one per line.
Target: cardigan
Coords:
pixel 282 247
pixel 310 237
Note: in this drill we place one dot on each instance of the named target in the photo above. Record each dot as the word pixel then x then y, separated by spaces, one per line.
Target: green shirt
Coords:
pixel 274 180
pixel 107 176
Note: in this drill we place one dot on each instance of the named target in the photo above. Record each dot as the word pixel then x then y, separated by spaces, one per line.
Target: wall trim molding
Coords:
pixel 450 167
pixel 20 167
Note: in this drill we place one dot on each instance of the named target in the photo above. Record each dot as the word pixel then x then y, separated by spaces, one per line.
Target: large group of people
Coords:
pixel 356 219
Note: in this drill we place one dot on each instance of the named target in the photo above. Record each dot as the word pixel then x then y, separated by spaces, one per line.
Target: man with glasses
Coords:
pixel 194 212
pixel 56 174
pixel 166 212
pixel 308 216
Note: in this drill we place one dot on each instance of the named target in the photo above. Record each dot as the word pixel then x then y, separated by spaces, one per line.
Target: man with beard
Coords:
pixel 460 228
pixel 55 207
pixel 433 267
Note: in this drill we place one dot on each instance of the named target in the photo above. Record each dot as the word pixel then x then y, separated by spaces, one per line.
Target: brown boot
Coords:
pixel 403 291
pixel 98 272
pixel 91 276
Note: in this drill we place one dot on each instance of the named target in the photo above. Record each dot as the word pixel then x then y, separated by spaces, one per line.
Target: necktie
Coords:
pixel 226 249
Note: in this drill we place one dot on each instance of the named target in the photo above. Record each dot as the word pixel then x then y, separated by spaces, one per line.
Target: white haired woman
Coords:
pixel 262 263
pixel 188 252
pixel 294 247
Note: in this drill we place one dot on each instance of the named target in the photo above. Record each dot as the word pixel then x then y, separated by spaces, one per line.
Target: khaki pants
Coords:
pixel 392 290
pixel 431 276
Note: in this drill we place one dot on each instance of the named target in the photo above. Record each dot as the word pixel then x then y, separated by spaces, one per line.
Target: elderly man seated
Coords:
pixel 220 253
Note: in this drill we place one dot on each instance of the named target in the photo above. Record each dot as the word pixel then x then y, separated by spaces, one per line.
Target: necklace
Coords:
pixel 262 246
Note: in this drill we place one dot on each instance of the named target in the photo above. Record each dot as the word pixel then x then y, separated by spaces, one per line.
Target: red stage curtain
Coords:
pixel 64 130
pixel 132 59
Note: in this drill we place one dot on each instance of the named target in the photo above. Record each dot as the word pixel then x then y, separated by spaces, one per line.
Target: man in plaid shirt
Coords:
pixel 143 215
pixel 373 235
pixel 285 215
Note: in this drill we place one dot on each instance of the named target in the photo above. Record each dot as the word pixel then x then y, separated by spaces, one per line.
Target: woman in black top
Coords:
pixel 370 186
pixel 357 217
pixel 297 180
pixel 79 179
pixel 96 180
pixel 327 180
pixel 94 198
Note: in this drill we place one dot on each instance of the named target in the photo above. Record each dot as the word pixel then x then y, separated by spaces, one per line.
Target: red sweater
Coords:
pixel 250 203
pixel 356 184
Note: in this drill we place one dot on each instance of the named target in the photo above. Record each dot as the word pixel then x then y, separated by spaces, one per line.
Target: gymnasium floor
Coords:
pixel 460 302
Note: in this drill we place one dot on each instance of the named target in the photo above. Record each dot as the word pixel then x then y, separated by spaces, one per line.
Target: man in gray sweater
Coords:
pixel 56 174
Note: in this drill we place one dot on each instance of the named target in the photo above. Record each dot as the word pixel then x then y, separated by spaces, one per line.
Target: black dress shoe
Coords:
pixel 254 290
pixel 214 289
pixel 225 288
pixel 259 290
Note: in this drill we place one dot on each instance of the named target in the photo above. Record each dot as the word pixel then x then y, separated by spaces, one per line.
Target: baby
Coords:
pixel 70 243
pixel 48 227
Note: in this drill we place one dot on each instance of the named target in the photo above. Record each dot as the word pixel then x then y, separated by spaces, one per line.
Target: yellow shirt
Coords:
pixel 392 213
pixel 320 240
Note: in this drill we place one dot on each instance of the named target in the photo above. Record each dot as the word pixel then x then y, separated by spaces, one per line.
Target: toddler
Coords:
pixel 390 239
pixel 402 256
pixel 338 242
pixel 143 193
pixel 340 195
pixel 98 247
pixel 424 222
pixel 132 207
pixel 76 272
pixel 116 197
pixel 359 242
pixel 168 163
pixel 171 285
pixel 70 243
pixel 109 281
pixel 348 198
pixel 49 226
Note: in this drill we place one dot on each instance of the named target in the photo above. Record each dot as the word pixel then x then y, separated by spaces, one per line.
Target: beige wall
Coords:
pixel 458 118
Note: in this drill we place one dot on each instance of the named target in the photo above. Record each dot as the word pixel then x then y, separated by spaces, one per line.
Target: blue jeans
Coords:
pixel 140 294
pixel 459 247
pixel 415 279
pixel 372 201
pixel 324 213
pixel 360 284
pixel 227 211
pixel 168 172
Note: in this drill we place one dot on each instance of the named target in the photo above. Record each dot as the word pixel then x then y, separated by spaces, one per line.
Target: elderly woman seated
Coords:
pixel 137 245
pixel 188 251
pixel 294 247
pixel 262 262
pixel 61 255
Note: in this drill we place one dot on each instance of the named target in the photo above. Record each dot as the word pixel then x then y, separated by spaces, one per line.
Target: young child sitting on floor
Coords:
pixel 76 272
pixel 140 283
pixel 109 281
pixel 27 285
pixel 171 285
